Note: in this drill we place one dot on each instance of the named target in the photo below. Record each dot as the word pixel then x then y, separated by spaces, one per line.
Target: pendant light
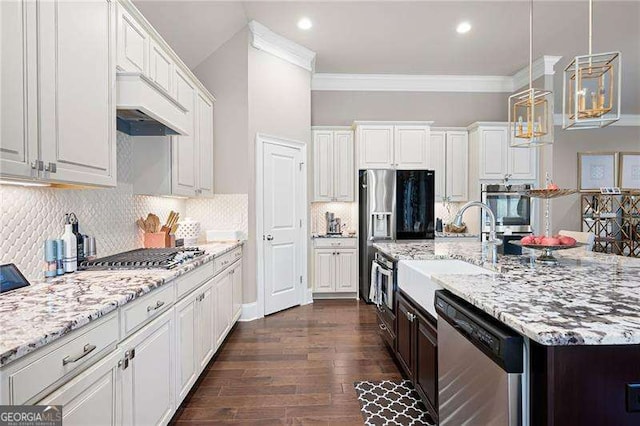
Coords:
pixel 591 88
pixel 531 111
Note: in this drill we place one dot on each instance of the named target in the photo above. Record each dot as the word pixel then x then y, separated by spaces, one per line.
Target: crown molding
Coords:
pixel 264 39
pixel 544 65
pixel 433 83
pixel 626 120
pixel 410 83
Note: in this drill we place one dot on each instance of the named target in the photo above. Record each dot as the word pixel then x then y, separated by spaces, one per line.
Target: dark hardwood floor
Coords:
pixel 294 367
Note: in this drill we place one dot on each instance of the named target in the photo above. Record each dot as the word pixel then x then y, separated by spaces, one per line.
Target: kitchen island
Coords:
pixel 581 319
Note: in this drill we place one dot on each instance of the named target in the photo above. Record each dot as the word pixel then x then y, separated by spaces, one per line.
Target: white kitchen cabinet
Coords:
pixel 161 68
pixel 375 146
pixel 148 375
pixel 438 161
pixel 91 396
pixel 236 277
pixel 183 148
pixel 133 44
pixel 457 166
pixel 324 267
pixel 204 157
pixel 411 147
pixel 186 315
pixel 18 101
pixel 335 265
pixel 224 305
pixel 497 159
pixel 334 172
pixel 206 325
pixel 76 59
pixel 346 276
pixel 401 145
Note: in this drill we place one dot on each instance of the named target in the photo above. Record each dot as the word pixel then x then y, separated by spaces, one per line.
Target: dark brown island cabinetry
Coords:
pixel 416 349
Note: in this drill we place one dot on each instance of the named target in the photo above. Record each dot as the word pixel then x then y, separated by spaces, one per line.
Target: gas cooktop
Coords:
pixel 163 258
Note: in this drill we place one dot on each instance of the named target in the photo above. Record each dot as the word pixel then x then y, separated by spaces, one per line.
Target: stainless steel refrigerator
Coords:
pixel 393 205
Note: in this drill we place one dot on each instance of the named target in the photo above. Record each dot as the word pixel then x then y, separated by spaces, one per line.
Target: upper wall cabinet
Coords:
pixel 497 159
pixel 161 67
pixel 449 158
pixel 58 106
pixel 333 165
pixel 204 135
pixel 183 148
pixel 392 145
pixel 133 44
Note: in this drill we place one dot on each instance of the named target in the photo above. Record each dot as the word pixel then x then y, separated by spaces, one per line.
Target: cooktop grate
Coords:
pixel 165 258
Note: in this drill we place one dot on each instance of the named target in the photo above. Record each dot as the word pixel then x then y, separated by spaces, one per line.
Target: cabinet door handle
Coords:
pixel 410 316
pixel 51 168
pixel 85 351
pixel 382 327
pixel 158 305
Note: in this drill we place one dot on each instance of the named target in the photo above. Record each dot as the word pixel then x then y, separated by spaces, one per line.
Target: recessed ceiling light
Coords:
pixel 304 23
pixel 463 27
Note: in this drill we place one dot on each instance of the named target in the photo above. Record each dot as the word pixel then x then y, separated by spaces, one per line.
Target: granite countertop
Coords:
pixel 586 299
pixel 456 235
pixel 333 236
pixel 34 316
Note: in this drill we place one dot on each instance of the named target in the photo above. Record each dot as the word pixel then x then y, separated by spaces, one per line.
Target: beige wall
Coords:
pixel 445 109
pixel 279 105
pixel 565 211
pixel 225 74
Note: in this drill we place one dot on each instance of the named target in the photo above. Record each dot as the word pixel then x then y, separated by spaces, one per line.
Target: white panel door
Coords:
pixel 493 152
pixel 323 165
pixel 91 396
pixel 236 277
pixel 206 324
pixel 522 163
pixel 186 374
pixel 438 161
pixel 224 301
pixel 18 142
pixel 346 271
pixel 375 147
pixel 282 195
pixel 133 44
pixel 77 111
pixel 205 146
pixel 411 147
pixel 457 166
pixel 183 148
pixel 161 68
pixel 324 265
pixel 343 165
pixel 148 386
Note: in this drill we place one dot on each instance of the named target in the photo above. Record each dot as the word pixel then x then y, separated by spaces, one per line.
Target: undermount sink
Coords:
pixel 414 278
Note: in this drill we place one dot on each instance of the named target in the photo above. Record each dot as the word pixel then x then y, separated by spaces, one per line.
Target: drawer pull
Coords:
pixel 158 305
pixel 85 351
pixel 382 327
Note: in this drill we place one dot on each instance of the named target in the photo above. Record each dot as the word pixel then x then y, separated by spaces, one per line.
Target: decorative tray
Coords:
pixel 548 193
pixel 546 257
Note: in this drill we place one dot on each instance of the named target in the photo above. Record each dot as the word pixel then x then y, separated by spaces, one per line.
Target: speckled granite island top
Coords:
pixel 34 316
pixel 587 299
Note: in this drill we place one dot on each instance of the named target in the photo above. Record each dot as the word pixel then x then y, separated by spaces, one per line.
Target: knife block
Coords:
pixel 159 240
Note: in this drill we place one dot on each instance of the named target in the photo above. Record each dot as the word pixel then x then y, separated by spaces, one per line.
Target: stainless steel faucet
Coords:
pixel 493 240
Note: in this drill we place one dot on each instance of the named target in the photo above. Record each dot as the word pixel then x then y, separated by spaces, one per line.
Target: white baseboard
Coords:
pixel 308 297
pixel 249 312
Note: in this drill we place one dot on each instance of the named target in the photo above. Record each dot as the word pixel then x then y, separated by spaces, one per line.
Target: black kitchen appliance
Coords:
pixel 145 258
pixel 11 278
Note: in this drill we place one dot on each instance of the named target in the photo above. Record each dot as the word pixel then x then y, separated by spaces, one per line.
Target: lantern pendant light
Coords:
pixel 531 111
pixel 591 88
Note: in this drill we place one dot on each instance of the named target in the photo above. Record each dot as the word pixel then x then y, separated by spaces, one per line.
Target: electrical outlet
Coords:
pixel 633 397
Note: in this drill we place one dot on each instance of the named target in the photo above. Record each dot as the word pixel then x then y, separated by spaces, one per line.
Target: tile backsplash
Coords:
pixel 347 212
pixel 28 216
pixel 222 212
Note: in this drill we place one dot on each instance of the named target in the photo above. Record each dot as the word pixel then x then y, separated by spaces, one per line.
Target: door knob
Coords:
pixel 269 237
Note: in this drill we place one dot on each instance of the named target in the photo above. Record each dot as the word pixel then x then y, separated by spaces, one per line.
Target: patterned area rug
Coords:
pixel 391 403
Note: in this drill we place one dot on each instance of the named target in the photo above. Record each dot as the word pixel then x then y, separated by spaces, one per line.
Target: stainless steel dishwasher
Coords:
pixel 480 365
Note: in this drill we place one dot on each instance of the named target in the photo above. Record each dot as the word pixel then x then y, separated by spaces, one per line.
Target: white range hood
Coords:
pixel 146 109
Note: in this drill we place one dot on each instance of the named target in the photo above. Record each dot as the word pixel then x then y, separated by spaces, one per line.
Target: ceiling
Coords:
pixel 412 37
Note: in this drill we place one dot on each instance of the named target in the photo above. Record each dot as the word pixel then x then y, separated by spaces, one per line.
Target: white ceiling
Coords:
pixel 412 37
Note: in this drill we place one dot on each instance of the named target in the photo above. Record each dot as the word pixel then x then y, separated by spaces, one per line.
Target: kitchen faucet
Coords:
pixel 492 240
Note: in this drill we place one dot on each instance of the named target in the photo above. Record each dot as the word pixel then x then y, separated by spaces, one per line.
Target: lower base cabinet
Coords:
pixel 417 350
pixel 224 309
pixel 147 375
pixel 90 397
